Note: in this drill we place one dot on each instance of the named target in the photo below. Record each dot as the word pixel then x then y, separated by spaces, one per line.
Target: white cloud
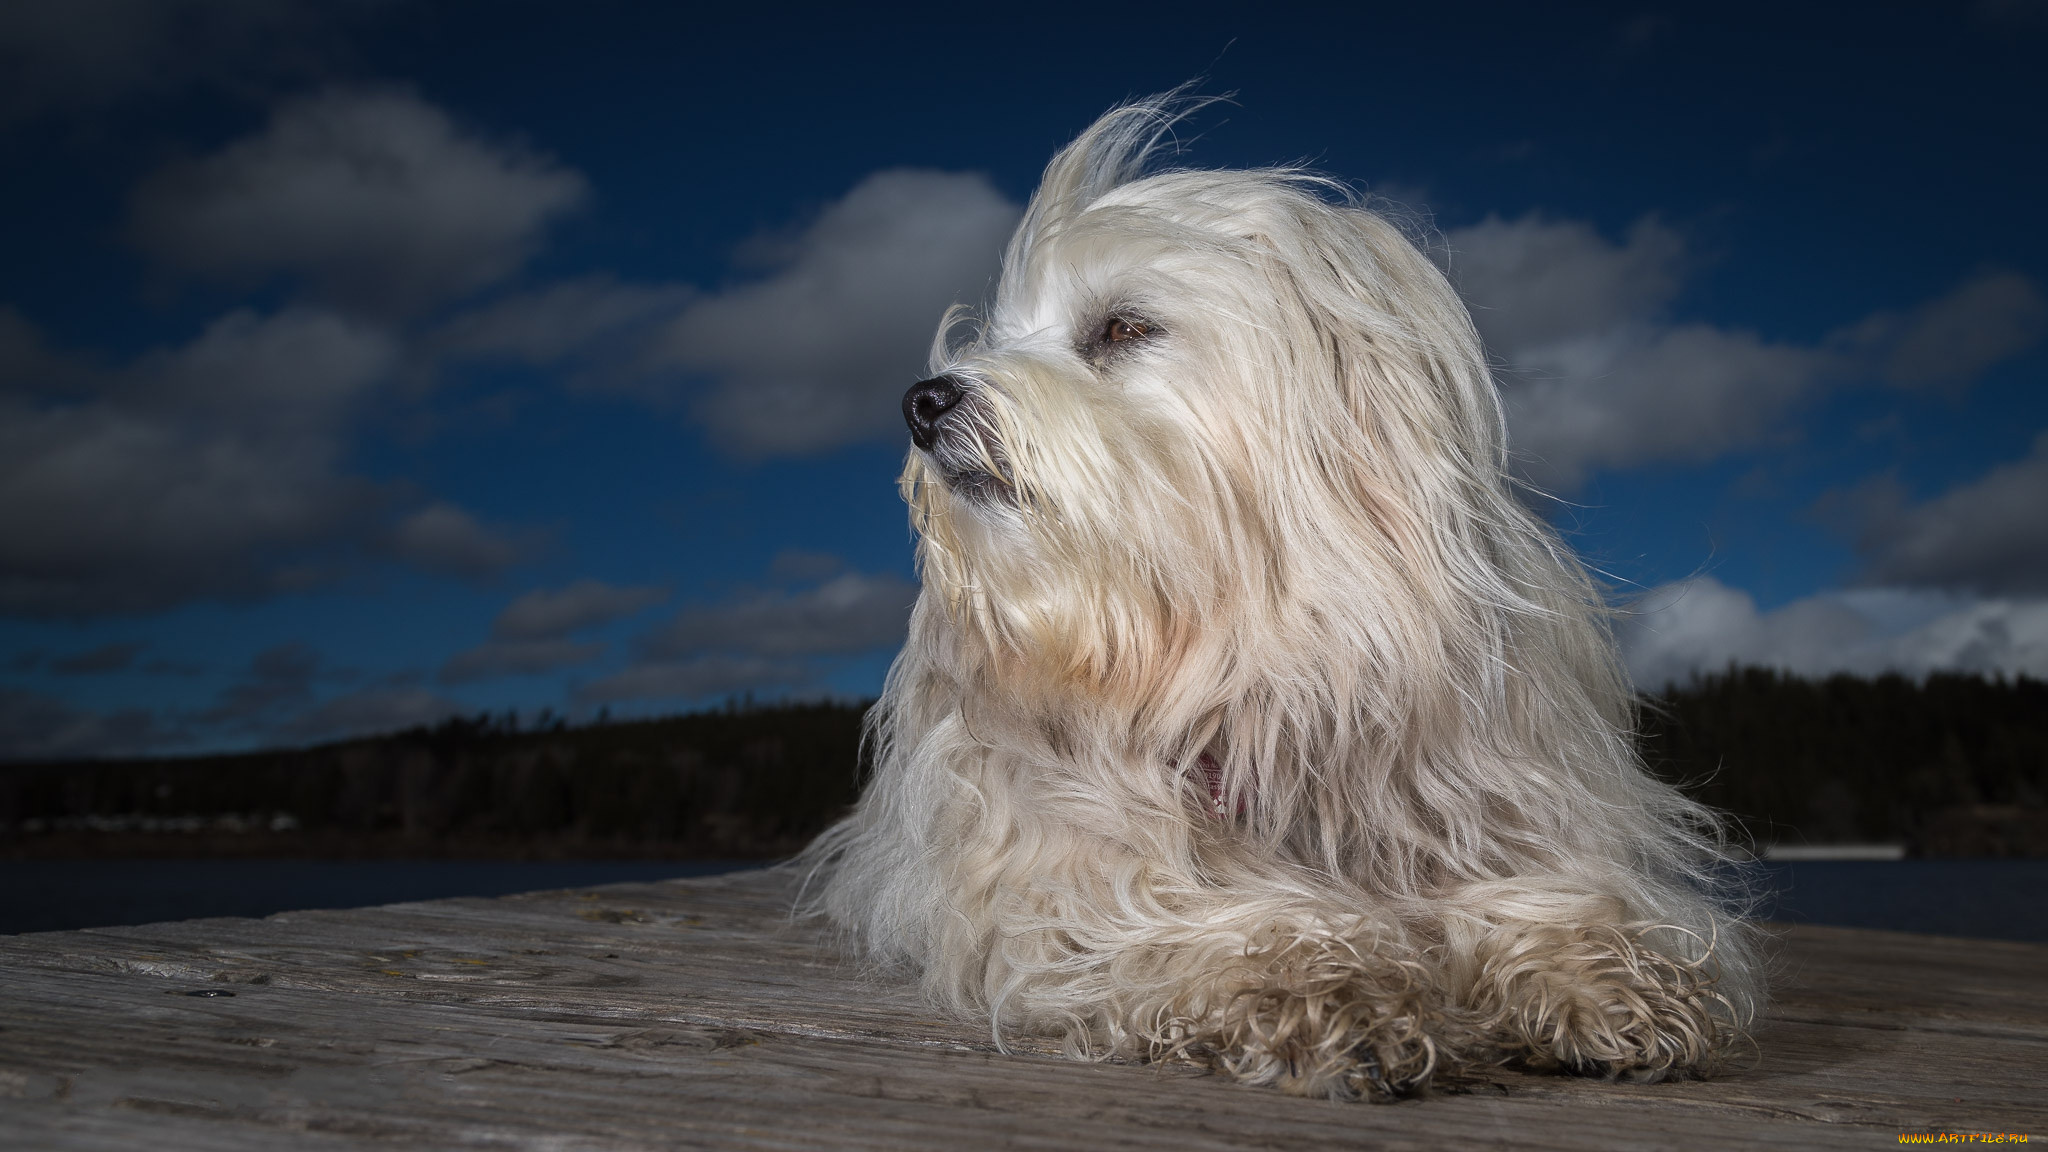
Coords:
pixel 817 353
pixel 1702 625
pixel 375 197
pixel 1647 393
pixel 1989 535
pixel 1597 373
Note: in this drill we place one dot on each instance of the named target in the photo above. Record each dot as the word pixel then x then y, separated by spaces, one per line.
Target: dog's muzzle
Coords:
pixel 925 403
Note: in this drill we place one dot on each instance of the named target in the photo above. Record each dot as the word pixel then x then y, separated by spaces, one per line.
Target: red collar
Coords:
pixel 1212 774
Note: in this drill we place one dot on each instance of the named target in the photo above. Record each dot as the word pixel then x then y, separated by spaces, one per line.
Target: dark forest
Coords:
pixel 1949 766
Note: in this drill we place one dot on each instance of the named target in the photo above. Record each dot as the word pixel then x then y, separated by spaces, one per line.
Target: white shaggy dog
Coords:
pixel 1247 715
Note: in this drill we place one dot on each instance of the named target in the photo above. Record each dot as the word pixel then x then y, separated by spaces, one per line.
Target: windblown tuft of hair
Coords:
pixel 1247 713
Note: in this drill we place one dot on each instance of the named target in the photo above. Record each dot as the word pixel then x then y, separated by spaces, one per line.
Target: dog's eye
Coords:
pixel 1124 330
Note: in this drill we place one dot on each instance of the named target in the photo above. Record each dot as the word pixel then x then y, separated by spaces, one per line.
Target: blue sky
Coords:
pixel 361 363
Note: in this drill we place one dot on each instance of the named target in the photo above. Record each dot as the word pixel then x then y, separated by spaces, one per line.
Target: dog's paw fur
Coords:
pixel 1596 1001
pixel 1325 1020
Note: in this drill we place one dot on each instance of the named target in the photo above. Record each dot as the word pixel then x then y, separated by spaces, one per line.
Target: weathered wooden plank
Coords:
pixel 693 1014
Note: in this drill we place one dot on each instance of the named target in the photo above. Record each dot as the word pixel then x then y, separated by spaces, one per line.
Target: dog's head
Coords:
pixel 1201 399
pixel 1221 478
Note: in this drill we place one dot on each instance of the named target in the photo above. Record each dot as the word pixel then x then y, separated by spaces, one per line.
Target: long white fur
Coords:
pixel 1278 530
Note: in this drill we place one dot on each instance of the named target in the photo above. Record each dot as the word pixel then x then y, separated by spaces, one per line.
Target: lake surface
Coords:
pixel 50 895
pixel 1991 899
pixel 1995 899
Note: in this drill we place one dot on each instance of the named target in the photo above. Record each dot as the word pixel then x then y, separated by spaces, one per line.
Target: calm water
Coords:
pixel 47 895
pixel 1998 899
pixel 1993 899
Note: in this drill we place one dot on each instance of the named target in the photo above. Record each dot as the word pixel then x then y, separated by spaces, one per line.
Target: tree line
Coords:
pixel 743 782
pixel 1949 765
pixel 1952 765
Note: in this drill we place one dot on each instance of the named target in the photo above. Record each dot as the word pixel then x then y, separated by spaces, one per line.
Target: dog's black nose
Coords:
pixel 926 401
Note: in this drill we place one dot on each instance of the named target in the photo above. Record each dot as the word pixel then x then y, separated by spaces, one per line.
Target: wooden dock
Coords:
pixel 692 1014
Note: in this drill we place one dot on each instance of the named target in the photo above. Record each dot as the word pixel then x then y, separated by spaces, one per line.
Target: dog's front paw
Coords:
pixel 1596 1002
pixel 1325 1021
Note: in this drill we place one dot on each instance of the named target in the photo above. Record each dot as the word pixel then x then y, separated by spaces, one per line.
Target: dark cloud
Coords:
pixel 800 567
pixel 496 658
pixel 1953 339
pixel 1643 33
pixel 278 683
pixel 2027 14
pixel 196 472
pixel 375 198
pixel 532 634
pixel 762 640
pixel 852 612
pixel 29 365
pixel 216 469
pixel 212 470
pixel 97 661
pixel 445 539
pixel 278 698
pixel 1988 536
pixel 1537 283
pixel 815 354
pixel 698 678
pixel 548 615
pixel 596 319
pixel 368 712
pixel 57 53
pixel 38 727
pixel 809 355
